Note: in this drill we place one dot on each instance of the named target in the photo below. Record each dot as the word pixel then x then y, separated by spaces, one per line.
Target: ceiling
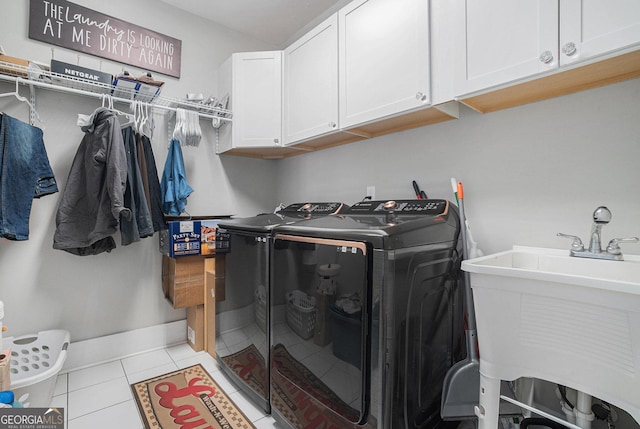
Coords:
pixel 272 21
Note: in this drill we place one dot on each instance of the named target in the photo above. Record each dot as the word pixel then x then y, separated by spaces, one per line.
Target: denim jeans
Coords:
pixel 25 174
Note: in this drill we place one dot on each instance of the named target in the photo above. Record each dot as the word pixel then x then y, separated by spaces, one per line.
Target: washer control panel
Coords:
pixel 314 208
pixel 425 207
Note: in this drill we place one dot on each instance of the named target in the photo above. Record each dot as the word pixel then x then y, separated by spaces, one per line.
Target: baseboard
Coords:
pixel 117 346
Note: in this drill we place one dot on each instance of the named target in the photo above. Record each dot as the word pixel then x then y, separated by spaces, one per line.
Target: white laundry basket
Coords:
pixel 36 360
pixel 301 313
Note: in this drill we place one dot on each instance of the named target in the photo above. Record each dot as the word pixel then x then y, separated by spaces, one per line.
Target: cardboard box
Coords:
pixel 210 306
pixel 13 66
pixel 213 240
pixel 208 236
pixel 183 280
pixel 125 87
pixel 73 76
pixel 144 88
pixel 195 327
pixel 181 238
pixel 223 241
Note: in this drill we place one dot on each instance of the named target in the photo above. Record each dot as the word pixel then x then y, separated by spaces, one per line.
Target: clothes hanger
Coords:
pixel 16 94
pixel 140 119
pixel 147 124
pixel 195 132
pixel 131 119
pixel 179 132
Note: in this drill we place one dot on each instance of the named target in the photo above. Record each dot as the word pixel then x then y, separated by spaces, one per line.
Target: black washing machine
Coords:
pixel 242 318
pixel 367 316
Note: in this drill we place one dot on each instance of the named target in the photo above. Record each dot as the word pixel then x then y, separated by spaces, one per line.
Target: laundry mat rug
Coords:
pixel 187 398
pixel 323 409
pixel 248 364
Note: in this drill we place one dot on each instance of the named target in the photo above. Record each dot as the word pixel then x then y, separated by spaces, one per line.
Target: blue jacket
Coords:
pixel 174 186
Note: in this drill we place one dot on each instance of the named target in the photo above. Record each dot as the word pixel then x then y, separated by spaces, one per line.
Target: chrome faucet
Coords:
pixel 601 217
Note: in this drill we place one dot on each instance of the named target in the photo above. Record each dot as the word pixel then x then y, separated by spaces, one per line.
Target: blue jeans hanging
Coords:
pixel 25 174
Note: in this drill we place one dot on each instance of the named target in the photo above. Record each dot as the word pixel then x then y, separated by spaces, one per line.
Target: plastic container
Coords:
pixel 346 336
pixel 301 313
pixel 537 318
pixel 36 360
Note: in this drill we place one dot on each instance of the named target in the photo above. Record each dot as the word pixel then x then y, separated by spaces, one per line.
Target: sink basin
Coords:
pixel 573 321
pixel 556 265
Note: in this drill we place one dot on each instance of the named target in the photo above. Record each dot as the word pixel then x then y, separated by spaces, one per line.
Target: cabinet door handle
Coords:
pixel 546 57
pixel 420 96
pixel 569 49
pixel 276 141
pixel 332 124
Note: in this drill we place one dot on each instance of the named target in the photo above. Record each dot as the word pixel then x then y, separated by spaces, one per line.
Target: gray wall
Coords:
pixel 528 172
pixel 94 296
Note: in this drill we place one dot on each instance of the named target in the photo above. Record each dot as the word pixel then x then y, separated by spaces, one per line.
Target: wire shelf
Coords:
pixel 36 76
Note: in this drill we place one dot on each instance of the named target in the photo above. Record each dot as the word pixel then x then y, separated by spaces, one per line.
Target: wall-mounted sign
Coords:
pixel 69 25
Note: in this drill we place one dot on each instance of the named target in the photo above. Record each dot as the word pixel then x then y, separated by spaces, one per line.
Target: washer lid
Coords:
pixel 413 222
pixel 292 213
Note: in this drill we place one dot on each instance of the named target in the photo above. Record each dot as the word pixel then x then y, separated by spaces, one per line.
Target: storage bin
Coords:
pixel 346 335
pixel 36 360
pixel 301 313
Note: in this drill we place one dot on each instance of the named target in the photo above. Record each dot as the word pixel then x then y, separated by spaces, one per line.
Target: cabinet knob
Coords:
pixel 421 96
pixel 569 49
pixel 276 141
pixel 332 124
pixel 546 57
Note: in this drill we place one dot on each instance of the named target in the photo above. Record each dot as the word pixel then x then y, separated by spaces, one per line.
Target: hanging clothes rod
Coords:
pixel 101 95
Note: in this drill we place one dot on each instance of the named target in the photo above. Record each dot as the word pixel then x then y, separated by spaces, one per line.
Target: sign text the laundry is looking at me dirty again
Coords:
pixel 75 27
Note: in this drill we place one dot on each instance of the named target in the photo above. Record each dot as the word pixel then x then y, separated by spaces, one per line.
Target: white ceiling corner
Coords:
pixel 272 21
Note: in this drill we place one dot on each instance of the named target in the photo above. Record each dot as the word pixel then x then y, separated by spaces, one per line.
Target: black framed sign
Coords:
pixel 75 27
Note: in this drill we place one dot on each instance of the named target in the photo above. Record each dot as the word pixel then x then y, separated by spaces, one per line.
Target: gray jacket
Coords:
pixel 93 198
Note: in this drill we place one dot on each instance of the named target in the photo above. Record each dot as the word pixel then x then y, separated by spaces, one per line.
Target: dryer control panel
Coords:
pixel 326 208
pixel 425 207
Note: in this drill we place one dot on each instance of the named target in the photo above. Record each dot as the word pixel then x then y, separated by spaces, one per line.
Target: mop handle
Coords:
pixel 468 296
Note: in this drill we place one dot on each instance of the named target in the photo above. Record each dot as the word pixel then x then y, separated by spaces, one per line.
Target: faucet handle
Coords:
pixel 577 245
pixel 613 247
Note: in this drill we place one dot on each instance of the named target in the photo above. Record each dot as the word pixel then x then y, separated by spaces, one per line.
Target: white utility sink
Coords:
pixel 557 266
pixel 574 321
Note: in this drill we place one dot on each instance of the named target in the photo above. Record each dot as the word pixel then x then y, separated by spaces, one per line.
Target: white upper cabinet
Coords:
pixel 310 97
pixel 590 28
pixel 502 41
pixel 384 59
pixel 253 81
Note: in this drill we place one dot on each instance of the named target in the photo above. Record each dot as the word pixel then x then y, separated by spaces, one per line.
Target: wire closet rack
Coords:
pixel 36 77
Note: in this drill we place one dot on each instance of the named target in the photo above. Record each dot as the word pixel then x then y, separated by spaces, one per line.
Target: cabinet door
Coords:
pixel 593 27
pixel 257 105
pixel 310 100
pixel 505 40
pixel 384 58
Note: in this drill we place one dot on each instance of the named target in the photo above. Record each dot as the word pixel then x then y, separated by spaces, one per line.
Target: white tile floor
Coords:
pixel 100 396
